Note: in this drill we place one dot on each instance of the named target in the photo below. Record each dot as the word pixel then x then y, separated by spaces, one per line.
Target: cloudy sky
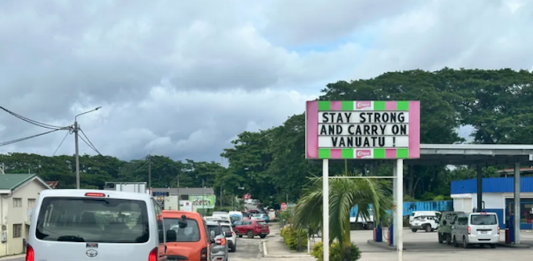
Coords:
pixel 183 78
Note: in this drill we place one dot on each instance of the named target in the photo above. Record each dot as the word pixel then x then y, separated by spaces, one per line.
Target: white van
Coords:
pixel 423 213
pixel 476 228
pixel 72 224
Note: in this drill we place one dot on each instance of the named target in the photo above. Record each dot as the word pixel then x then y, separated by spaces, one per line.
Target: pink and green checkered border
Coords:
pixel 311 131
pixel 398 153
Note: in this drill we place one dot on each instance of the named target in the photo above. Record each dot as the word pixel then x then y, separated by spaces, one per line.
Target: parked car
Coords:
pixel 428 223
pixel 445 226
pixel 252 228
pixel 186 240
pixel 112 225
pixel 263 217
pixel 230 235
pixel 219 246
pixel 476 228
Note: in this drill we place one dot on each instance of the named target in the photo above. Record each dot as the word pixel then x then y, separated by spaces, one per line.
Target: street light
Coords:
pixel 76 129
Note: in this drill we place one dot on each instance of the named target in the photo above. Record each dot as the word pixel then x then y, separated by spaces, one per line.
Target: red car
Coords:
pixel 251 228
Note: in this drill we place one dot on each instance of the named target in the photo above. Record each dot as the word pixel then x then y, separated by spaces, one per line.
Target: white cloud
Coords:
pixel 180 79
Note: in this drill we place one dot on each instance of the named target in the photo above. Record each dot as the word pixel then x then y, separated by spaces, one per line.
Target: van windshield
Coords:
pixel 188 233
pixel 483 220
pixel 96 220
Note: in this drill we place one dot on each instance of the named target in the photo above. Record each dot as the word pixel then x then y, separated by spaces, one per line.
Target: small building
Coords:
pixel 201 198
pixel 18 193
pixel 498 197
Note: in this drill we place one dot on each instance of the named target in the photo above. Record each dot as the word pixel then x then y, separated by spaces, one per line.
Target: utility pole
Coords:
pixel 2 169
pixel 77 151
pixel 149 172
pixel 221 196
pixel 76 130
pixel 203 197
pixel 178 189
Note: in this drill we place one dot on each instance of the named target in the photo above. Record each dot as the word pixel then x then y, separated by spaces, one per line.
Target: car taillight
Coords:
pixel 153 255
pixel 203 254
pixel 498 230
pixel 220 241
pixel 469 230
pixel 30 254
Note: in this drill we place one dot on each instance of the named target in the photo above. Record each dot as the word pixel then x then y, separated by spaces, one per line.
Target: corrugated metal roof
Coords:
pixel 491 185
pixel 12 181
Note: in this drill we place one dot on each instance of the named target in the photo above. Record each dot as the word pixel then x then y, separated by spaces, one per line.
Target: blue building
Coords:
pixel 498 196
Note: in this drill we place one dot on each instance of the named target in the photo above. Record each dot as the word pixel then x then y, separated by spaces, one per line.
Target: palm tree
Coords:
pixel 344 193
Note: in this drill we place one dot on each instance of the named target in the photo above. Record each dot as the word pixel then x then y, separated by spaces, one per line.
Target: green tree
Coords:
pixel 343 195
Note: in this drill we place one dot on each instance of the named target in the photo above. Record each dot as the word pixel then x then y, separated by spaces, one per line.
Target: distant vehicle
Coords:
pixel 219 246
pixel 235 216
pixel 252 228
pixel 476 228
pixel 423 213
pixel 186 238
pixel 445 226
pixel 428 223
pixel 262 217
pixel 218 219
pixel 134 187
pixel 109 224
pixel 230 235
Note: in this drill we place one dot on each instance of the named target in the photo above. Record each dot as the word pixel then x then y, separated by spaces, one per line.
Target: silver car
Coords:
pixel 219 244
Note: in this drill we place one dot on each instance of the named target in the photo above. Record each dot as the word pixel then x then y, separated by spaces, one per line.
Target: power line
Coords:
pixel 61 143
pixel 26 138
pixel 88 142
pixel 36 123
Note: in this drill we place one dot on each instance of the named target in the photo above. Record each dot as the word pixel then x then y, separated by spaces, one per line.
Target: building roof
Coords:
pixel 52 184
pixel 184 191
pixel 13 181
pixel 491 185
pixel 470 154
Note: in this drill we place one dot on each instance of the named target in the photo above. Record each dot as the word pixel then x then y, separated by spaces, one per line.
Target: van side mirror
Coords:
pixel 171 236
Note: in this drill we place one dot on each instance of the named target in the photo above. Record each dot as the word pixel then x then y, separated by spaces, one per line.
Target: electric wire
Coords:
pixel 88 142
pixel 28 120
pixel 64 138
pixel 26 138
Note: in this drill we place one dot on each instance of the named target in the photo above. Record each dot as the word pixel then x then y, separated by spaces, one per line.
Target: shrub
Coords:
pixel 336 252
pixel 290 237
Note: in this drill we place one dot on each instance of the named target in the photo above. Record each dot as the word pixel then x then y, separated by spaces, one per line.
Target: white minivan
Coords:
pixel 476 228
pixel 74 225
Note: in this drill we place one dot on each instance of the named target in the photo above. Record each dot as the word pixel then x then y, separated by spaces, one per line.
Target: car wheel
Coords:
pixel 448 239
pixel 250 234
pixel 414 230
pixel 240 236
pixel 465 245
pixel 455 244
pixel 428 228
pixel 440 238
pixel 492 245
pixel 263 236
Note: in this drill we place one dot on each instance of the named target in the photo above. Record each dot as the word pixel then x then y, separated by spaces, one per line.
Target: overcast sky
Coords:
pixel 183 78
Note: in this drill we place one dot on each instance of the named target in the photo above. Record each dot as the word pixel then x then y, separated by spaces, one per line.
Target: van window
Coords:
pixel 189 233
pixel 97 220
pixel 462 221
pixel 217 229
pixel 483 220
pixel 226 229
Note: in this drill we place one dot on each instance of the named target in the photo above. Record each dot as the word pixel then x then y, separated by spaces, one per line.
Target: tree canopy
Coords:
pixel 271 164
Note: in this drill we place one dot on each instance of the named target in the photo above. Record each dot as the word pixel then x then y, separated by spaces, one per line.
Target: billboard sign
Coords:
pixel 362 129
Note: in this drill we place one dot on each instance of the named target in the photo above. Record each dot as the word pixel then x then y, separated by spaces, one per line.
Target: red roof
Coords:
pixel 52 184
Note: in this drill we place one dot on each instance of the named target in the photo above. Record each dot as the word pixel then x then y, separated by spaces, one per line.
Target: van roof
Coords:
pixel 82 192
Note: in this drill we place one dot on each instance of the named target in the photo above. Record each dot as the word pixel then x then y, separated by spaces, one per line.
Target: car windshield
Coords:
pixel 96 220
pixel 187 232
pixel 226 228
pixel 217 229
pixel 483 220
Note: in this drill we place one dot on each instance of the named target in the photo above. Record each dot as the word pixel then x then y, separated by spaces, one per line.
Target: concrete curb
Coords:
pixel 502 244
pixel 12 257
pixel 265 253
